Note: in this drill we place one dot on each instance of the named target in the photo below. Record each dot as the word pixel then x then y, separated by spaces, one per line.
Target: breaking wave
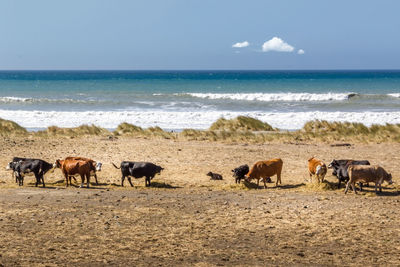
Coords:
pixel 271 97
pixel 191 119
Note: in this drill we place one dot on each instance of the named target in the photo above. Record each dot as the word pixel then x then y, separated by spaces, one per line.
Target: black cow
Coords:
pixel 138 170
pixel 11 165
pixel 340 168
pixel 240 172
pixel 37 167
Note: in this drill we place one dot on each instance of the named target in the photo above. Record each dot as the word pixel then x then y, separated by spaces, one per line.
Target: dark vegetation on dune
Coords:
pixel 240 129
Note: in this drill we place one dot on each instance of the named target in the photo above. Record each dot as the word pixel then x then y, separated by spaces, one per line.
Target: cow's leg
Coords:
pixel 258 182
pixel 278 178
pixel 82 180
pixel 66 179
pixel 265 184
pixel 380 187
pixel 122 180
pixel 42 178
pixel 37 179
pixel 147 181
pixel 95 177
pixel 353 185
pixel 376 187
pixel 88 179
pixel 130 181
pixel 347 187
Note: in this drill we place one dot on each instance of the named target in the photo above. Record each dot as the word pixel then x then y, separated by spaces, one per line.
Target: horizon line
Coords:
pixel 166 70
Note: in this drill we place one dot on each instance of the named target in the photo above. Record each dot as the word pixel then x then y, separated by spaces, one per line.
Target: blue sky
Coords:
pixel 188 34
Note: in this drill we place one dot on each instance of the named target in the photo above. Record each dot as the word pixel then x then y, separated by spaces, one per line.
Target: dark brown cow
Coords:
pixel 95 166
pixel 264 170
pixel 71 167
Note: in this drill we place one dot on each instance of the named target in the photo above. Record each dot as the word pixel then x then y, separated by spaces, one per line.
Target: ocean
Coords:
pixel 175 100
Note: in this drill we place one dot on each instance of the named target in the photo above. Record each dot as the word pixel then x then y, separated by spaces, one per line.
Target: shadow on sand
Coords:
pixel 163 185
pixel 271 185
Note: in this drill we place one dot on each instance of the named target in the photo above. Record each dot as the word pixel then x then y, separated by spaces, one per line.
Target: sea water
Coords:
pixel 175 100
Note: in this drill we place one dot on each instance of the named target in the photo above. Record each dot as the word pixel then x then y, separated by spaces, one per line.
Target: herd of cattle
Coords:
pixel 350 171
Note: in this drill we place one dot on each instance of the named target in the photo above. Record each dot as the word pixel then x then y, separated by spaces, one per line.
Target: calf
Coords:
pixel 340 168
pixel 214 176
pixel 366 174
pixel 264 170
pixel 37 167
pixel 318 168
pixel 240 172
pixel 138 170
pixel 71 167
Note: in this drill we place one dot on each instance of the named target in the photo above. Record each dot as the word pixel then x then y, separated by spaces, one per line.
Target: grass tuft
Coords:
pixel 82 130
pixel 240 123
pixel 9 127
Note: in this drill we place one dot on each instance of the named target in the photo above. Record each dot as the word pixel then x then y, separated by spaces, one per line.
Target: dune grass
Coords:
pixel 240 123
pixel 82 130
pixel 127 129
pixel 342 131
pixel 238 130
pixel 11 128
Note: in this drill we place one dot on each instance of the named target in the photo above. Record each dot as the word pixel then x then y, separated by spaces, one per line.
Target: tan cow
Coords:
pixel 264 170
pixel 318 168
pixel 72 167
pixel 366 174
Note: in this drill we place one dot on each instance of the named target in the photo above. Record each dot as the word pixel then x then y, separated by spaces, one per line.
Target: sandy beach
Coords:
pixel 186 219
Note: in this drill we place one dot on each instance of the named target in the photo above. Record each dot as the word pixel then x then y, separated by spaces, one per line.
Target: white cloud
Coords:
pixel 300 52
pixel 241 45
pixel 277 44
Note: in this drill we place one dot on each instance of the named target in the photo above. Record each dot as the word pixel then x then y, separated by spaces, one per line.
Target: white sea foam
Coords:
pixel 397 95
pixel 12 99
pixel 270 97
pixel 182 120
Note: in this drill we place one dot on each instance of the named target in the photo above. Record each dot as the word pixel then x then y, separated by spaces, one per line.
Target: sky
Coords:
pixel 199 34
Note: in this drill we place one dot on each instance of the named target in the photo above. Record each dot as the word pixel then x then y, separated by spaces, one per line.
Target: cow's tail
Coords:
pixel 115 166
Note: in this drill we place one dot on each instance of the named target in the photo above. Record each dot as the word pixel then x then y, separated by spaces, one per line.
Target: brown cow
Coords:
pixel 71 167
pixel 95 166
pixel 366 174
pixel 318 168
pixel 264 170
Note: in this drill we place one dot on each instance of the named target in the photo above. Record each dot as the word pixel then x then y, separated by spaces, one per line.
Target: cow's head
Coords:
pixel 332 164
pixel 159 169
pixel 389 178
pixel 247 177
pixel 57 164
pixel 98 166
pixel 10 165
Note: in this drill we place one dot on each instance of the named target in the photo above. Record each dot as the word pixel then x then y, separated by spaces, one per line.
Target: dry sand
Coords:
pixel 185 219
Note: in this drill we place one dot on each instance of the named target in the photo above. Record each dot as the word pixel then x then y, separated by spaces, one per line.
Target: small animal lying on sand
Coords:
pixel 214 176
